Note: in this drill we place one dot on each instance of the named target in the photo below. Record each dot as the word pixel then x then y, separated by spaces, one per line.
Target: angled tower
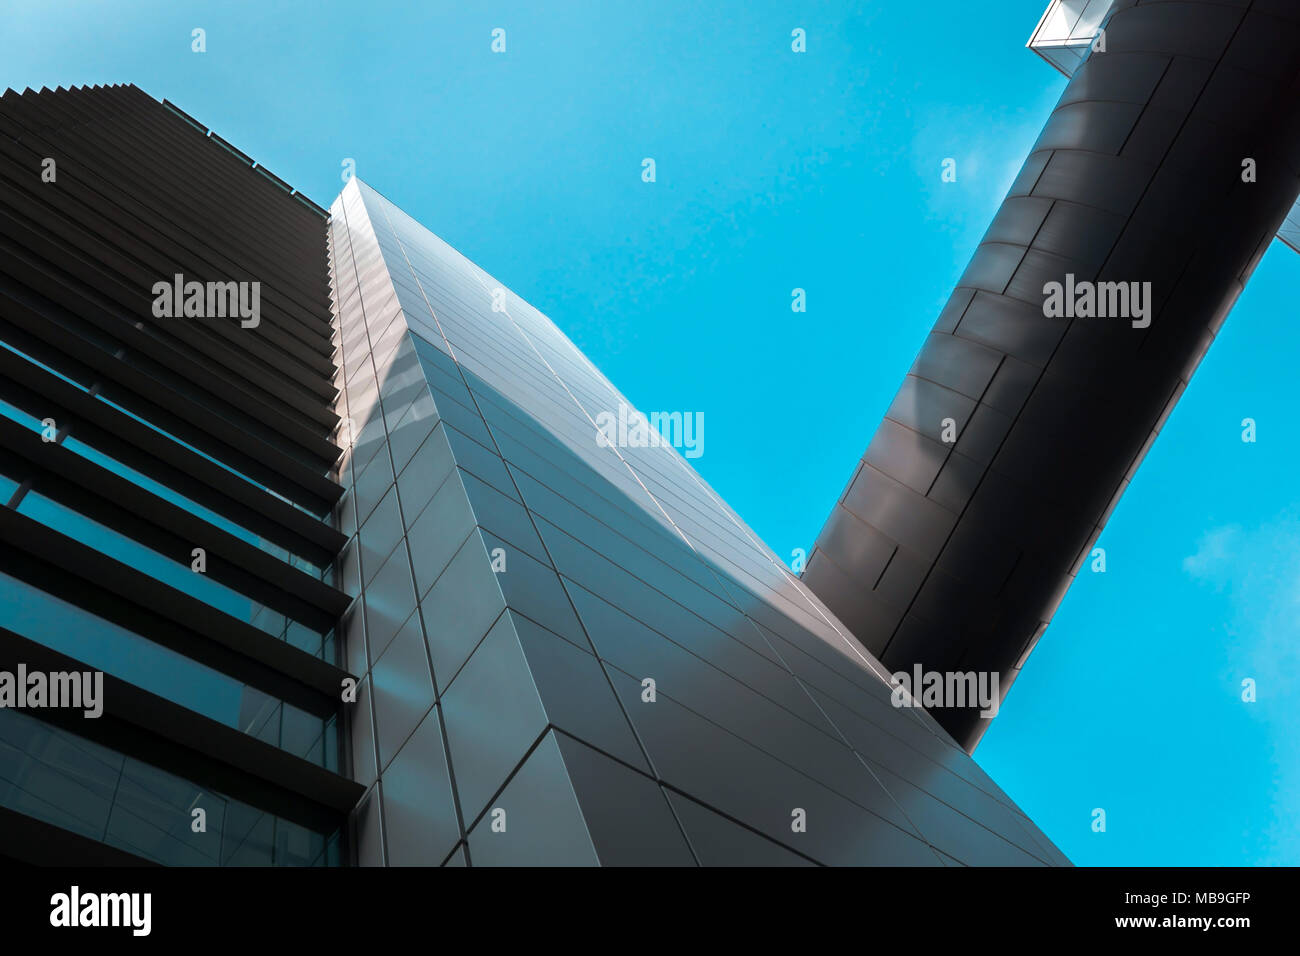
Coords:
pixel 572 650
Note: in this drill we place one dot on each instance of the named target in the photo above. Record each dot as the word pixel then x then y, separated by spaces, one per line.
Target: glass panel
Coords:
pixel 193 507
pixel 52 371
pixel 170 571
pixel 200 452
pixel 81 786
pixel 14 413
pixel 103 645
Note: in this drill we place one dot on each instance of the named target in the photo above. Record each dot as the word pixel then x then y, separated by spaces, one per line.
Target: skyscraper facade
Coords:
pixel 572 650
pixel 378 568
pixel 167 489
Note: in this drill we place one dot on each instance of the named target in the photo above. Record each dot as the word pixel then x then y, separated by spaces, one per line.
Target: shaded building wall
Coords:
pixel 953 555
pixel 129 438
pixel 514 693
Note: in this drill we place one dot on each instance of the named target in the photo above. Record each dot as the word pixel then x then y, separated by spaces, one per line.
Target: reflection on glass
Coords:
pixel 101 644
pixel 81 786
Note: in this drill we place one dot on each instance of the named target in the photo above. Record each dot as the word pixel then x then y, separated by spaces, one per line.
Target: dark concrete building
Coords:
pixel 335 515
pixel 1167 167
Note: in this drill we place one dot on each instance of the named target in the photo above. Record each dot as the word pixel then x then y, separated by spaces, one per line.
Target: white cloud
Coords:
pixel 1258 570
pixel 1213 554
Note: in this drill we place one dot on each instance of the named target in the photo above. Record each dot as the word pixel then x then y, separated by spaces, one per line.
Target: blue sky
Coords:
pixel 819 171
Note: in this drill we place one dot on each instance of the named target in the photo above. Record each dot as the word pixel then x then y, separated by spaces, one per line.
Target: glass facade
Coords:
pixel 88 789
pixel 165 487
pixel 104 646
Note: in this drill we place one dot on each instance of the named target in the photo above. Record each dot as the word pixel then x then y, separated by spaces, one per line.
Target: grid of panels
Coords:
pixel 517 582
pixel 952 552
pixel 1063 38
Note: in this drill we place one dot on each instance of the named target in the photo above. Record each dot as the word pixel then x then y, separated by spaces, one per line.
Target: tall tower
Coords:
pixel 166 450
pixel 572 651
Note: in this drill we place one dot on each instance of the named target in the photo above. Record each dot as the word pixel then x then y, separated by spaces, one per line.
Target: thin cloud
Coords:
pixel 1259 571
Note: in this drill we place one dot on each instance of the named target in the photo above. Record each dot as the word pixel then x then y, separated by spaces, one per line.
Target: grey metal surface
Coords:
pixel 520 690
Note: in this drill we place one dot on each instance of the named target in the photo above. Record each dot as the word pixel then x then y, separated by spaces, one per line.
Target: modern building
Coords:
pixel 577 641
pixel 1166 169
pixel 168 495
pixel 337 517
